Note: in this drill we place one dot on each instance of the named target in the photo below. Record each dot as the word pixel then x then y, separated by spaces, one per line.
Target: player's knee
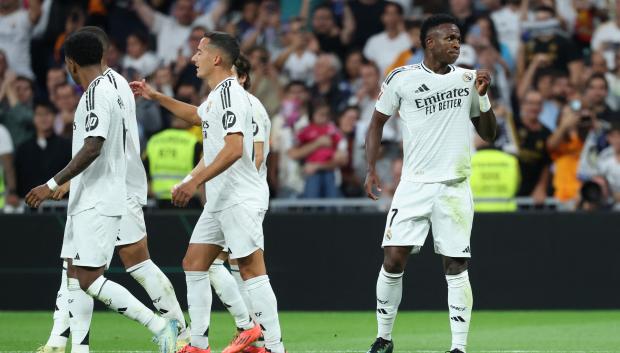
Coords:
pixel 454 266
pixel 393 265
pixel 191 263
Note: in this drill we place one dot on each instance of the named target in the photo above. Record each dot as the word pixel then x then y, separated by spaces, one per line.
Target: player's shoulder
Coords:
pixel 117 80
pixel 228 93
pixel 403 71
pixel 463 70
pixel 100 91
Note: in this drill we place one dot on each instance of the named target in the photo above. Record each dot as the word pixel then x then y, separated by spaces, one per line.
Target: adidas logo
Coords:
pixel 76 257
pixel 467 250
pixel 457 319
pixel 422 88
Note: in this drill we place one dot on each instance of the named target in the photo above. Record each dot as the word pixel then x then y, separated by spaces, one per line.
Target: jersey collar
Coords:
pixel 94 82
pixel 222 82
pixel 434 73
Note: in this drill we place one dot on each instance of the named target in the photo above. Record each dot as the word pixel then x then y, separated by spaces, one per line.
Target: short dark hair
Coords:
pixel 295 83
pixel 84 48
pixel 100 33
pixel 614 126
pixel 411 24
pixel 142 36
pixel 45 104
pixel 597 76
pixel 225 42
pixel 545 8
pixel 399 7
pixel 543 72
pixel 432 22
pixel 243 67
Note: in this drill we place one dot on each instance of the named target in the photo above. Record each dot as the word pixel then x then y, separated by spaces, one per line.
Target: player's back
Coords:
pixel 100 113
pixel 137 185
pixel 228 110
pixel 435 112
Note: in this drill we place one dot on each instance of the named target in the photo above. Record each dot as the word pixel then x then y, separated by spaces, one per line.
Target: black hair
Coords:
pixel 614 126
pixel 45 104
pixel 545 8
pixel 100 33
pixel 494 41
pixel 592 192
pixel 411 24
pixel 399 7
pixel 323 6
pixel 543 72
pixel 226 43
pixel 84 48
pixel 597 76
pixel 432 22
pixel 318 103
pixel 141 36
pixel 243 67
pixel 24 78
pixel 295 83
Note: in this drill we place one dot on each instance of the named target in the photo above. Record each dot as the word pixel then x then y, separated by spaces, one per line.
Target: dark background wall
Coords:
pixel 331 261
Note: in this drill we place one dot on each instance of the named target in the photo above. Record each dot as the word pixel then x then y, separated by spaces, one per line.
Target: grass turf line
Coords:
pixel 491 331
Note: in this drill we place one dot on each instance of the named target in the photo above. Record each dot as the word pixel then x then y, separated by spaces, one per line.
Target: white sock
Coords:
pixel 227 290
pixel 234 271
pixel 80 307
pixel 60 330
pixel 389 294
pixel 199 300
pixel 460 302
pixel 119 299
pixel 265 308
pixel 159 289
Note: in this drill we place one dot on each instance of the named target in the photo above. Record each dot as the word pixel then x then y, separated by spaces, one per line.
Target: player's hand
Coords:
pixel 61 191
pixel 483 80
pixel 142 89
pixel 182 193
pixel 37 195
pixel 372 180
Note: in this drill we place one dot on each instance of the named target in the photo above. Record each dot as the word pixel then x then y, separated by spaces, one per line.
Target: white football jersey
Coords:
pixel 137 185
pixel 435 112
pixel 100 113
pixel 228 110
pixel 262 131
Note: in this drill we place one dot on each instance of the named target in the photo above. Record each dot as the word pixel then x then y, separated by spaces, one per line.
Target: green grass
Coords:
pixel 491 331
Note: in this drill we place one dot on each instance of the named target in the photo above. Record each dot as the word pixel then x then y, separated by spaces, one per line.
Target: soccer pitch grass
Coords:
pixel 305 332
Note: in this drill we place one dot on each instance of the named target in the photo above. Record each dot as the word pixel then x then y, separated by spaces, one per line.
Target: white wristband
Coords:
pixel 187 178
pixel 485 103
pixel 52 184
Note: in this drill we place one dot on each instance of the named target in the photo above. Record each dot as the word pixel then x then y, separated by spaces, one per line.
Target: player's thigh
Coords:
pixel 92 238
pixel 407 222
pixel 243 229
pixel 206 243
pixel 199 257
pixel 452 219
pixel 133 228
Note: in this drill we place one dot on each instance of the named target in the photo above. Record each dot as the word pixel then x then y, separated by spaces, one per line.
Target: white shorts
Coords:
pixel 238 228
pixel 133 228
pixel 446 207
pixel 89 238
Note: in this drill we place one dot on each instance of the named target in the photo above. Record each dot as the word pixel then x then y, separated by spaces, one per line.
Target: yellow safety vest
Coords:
pixel 171 158
pixel 494 175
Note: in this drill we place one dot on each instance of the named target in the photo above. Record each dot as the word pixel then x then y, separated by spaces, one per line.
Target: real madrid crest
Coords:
pixel 468 76
pixel 209 106
pixel 388 234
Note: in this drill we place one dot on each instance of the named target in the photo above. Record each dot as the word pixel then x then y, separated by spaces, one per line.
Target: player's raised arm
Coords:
pixel 180 109
pixel 485 124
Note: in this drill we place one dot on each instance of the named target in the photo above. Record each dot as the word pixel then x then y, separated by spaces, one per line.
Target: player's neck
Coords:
pixel 218 76
pixel 435 65
pixel 89 74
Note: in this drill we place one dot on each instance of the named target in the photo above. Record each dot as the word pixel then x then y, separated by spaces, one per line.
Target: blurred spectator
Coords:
pixel 608 164
pixel 8 195
pixel 284 173
pixel 41 157
pixel 541 80
pixel 184 69
pixel 366 21
pixel 138 56
pixel 265 85
pixel 507 22
pixel 296 60
pixel 352 67
pixel 592 196
pixel 598 65
pixel 463 11
pixel 533 156
pixel 323 151
pixel 16 25
pixel 383 48
pixel 331 38
pixel 596 95
pixel 483 34
pixel 66 101
pixel 565 145
pixel 74 21
pixel 415 53
pixel 170 155
pixel 247 22
pixel 613 79
pixel 114 57
pixel 506 136
pixel 16 113
pixel 327 85
pixel 543 38
pixel 606 37
pixel 500 89
pixel 173 31
pixel 55 77
pixel 265 31
pixel 351 183
pixel 188 93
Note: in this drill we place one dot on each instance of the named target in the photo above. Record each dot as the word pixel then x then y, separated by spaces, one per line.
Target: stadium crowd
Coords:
pixel 317 66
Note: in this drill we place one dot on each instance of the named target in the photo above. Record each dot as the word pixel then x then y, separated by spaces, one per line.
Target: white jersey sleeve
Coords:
pixel 235 107
pixel 389 101
pixel 97 123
